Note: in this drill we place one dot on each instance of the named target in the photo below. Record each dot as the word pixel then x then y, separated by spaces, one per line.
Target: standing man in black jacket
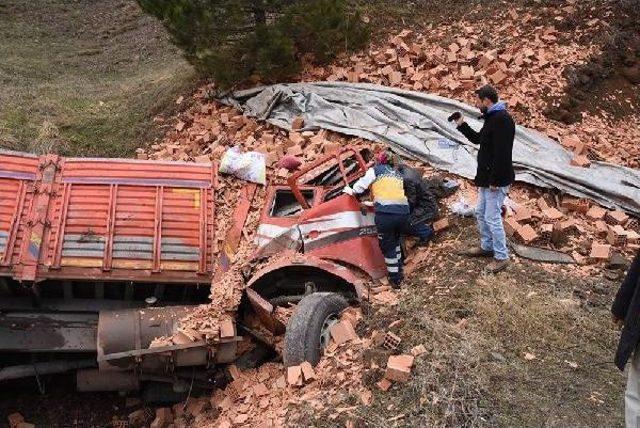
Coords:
pixel 494 175
pixel 626 312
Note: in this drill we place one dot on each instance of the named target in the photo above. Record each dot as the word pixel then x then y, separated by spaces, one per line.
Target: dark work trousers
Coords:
pixel 422 231
pixel 390 228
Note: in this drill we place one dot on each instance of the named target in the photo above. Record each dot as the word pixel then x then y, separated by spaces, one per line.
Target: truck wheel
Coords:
pixel 308 328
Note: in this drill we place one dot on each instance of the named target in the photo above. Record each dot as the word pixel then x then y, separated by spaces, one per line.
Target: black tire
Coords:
pixel 304 339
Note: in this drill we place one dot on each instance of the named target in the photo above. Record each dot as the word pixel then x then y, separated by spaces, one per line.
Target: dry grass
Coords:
pixel 96 72
pixel 475 373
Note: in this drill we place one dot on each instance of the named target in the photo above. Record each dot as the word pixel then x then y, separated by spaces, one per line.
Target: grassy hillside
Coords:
pixel 84 78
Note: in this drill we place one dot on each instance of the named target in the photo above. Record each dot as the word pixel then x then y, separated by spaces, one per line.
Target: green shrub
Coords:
pixel 231 40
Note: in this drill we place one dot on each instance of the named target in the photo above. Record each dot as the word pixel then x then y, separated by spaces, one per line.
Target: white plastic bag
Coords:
pixel 250 166
pixel 463 208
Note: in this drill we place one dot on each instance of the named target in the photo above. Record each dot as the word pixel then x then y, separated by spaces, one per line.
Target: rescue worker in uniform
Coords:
pixel 391 209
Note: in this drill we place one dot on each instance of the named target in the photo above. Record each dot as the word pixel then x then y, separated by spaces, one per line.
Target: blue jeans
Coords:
pixel 488 214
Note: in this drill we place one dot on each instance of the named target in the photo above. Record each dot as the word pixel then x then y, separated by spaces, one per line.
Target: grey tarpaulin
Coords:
pixel 415 125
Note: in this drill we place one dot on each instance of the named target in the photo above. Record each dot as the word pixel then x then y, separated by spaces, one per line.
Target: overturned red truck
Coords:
pixel 98 257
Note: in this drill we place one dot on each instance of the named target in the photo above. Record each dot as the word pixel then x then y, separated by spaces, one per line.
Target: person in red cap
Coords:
pixel 391 209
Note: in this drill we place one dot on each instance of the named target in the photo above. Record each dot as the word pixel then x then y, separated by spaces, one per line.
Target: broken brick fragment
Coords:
pixel 575 204
pixel 418 350
pixel 601 228
pixel 441 224
pixel 600 252
pixel 526 234
pixel 596 213
pixel 581 161
pixel 227 329
pixel 399 367
pixel 616 235
pixel 342 332
pixel 511 225
pixel 294 376
pixel 196 406
pixel 384 384
pixel 552 214
pixel 523 213
pixel 297 123
pixel 202 159
pixel 331 147
pixel 307 371
pixel 616 217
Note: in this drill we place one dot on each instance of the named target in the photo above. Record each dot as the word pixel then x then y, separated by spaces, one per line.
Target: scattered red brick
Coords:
pixel 617 236
pixel 441 224
pixel 399 368
pixel 511 225
pixel 581 161
pixel 294 375
pixel 391 341
pixel 616 217
pixel 227 328
pixel 552 214
pixel 596 213
pixel 307 371
pixel 526 234
pixel 384 384
pixel 416 351
pixel 523 214
pixel 574 204
pixel 342 332
pixel 600 252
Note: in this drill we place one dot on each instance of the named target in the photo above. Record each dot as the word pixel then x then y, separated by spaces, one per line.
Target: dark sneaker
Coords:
pixel 477 252
pixel 497 266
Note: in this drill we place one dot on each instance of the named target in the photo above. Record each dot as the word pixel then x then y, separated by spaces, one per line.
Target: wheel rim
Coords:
pixel 325 331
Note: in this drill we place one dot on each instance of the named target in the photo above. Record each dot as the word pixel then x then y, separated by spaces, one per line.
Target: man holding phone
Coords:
pixel 494 175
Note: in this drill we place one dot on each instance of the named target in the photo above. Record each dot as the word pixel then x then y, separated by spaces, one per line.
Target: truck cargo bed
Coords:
pixel 106 219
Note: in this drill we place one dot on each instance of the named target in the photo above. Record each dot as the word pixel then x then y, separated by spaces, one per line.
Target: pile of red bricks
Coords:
pixel 270 395
pixel 589 232
pixel 524 57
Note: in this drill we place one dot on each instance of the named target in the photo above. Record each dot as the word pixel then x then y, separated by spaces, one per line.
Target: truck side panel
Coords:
pixel 17 176
pixel 111 219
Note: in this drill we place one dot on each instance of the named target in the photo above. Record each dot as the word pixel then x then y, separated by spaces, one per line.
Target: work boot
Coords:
pixel 396 284
pixel 477 252
pixel 497 265
pixel 423 242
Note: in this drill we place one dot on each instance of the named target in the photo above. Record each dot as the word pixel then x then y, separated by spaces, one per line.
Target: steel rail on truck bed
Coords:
pixel 106 219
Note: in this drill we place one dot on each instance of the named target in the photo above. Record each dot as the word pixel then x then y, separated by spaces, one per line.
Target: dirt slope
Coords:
pixel 84 78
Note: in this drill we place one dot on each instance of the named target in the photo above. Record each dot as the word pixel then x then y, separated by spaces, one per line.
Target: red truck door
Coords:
pixel 338 230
